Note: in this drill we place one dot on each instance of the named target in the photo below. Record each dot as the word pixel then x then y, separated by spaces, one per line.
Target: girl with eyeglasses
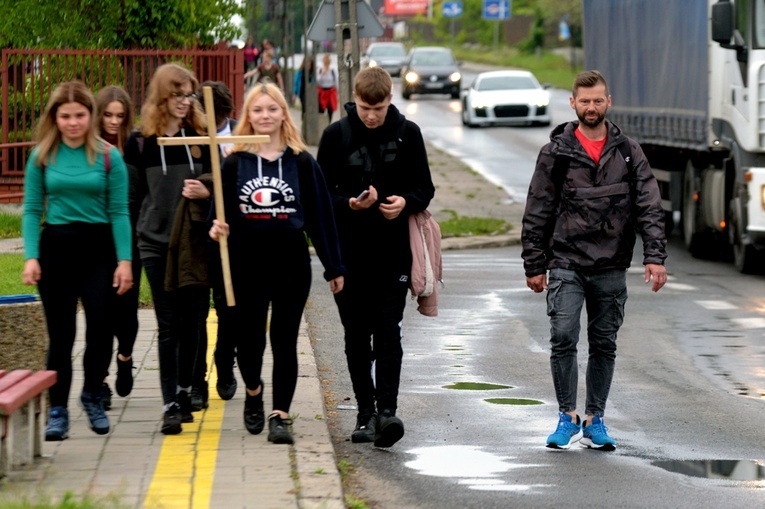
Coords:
pixel 165 175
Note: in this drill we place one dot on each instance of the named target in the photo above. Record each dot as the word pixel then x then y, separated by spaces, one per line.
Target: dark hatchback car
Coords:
pixel 431 70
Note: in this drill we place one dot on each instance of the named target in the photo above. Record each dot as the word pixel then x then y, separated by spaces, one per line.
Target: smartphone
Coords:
pixel 363 194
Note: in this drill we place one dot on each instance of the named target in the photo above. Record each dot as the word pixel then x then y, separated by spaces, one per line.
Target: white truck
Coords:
pixel 687 78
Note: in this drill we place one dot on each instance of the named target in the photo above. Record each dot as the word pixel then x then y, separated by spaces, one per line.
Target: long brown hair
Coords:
pixel 288 132
pixel 167 80
pixel 104 98
pixel 47 135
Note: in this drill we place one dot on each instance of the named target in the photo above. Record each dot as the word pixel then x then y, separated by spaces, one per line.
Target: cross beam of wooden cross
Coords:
pixel 214 142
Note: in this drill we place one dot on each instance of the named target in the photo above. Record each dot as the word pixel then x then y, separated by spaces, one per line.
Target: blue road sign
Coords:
pixel 496 9
pixel 452 9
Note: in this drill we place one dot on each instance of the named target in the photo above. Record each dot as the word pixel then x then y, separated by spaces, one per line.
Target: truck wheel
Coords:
pixel 697 242
pixel 745 256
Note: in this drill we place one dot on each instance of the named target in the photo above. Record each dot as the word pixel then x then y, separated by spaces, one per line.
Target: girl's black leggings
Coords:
pixel 77 261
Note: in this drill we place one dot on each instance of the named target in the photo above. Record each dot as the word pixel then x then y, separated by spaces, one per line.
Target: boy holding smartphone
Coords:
pixel 377 172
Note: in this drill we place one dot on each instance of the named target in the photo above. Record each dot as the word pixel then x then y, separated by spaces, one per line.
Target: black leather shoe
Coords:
pixel 199 397
pixel 184 403
pixel 226 385
pixel 390 429
pixel 254 417
pixel 278 433
pixel 171 420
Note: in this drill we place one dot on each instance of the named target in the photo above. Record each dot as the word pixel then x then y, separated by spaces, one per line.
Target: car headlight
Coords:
pixel 372 63
pixel 543 101
pixel 455 76
pixel 411 77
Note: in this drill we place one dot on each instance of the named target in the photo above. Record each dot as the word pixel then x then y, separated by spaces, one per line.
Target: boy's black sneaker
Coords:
pixel 184 405
pixel 254 417
pixel 124 383
pixel 106 396
pixel 199 397
pixel 366 426
pixel 278 433
pixel 171 420
pixel 390 429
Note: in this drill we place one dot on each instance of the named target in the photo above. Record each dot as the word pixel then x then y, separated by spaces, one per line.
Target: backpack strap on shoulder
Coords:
pixel 626 151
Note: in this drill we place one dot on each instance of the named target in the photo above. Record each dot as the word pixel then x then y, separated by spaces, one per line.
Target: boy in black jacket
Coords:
pixel 377 172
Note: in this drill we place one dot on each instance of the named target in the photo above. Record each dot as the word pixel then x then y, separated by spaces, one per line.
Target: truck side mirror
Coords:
pixel 722 23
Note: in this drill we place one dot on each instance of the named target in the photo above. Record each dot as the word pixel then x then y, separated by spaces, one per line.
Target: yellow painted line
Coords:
pixel 183 478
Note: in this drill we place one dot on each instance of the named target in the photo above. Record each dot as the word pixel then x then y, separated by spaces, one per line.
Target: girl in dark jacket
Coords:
pixel 114 122
pixel 164 175
pixel 274 193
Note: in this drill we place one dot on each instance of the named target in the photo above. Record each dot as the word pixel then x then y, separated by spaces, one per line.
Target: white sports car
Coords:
pixel 506 97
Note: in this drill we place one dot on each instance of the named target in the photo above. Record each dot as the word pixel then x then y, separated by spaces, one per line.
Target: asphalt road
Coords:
pixel 675 399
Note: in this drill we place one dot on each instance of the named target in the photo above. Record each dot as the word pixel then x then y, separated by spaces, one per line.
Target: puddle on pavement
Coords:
pixel 476 386
pixel 514 401
pixel 734 470
pixel 478 470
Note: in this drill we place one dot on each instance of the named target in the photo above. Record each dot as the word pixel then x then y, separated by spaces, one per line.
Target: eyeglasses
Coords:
pixel 177 96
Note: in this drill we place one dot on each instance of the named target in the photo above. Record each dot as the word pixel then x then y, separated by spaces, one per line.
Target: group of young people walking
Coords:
pixel 130 203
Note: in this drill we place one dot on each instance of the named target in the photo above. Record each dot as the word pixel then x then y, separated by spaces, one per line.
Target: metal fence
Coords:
pixel 29 77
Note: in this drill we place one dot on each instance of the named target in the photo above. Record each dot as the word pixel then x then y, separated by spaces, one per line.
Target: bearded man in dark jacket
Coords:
pixel 591 192
pixel 377 172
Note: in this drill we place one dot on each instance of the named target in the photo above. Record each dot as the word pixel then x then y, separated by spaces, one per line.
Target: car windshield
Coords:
pixel 432 58
pixel 387 51
pixel 505 83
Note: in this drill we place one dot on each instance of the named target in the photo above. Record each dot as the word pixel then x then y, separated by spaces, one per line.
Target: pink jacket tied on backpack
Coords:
pixel 427 270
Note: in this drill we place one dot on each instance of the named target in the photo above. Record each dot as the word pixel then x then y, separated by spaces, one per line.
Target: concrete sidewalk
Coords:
pixel 213 463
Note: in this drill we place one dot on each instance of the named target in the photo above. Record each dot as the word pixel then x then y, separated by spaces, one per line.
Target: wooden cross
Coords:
pixel 213 141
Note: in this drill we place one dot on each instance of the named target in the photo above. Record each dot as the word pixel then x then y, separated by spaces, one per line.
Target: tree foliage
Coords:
pixel 123 24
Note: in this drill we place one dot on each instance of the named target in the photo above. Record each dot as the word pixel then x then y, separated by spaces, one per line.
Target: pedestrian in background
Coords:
pixel 378 175
pixel 592 190
pixel 79 183
pixel 306 73
pixel 251 53
pixel 114 122
pixel 267 72
pixel 274 194
pixel 164 175
pixel 327 83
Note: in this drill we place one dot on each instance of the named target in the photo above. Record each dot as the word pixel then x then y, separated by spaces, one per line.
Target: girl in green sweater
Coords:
pixel 83 251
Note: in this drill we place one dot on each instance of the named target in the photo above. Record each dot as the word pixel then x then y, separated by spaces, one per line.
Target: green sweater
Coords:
pixel 76 192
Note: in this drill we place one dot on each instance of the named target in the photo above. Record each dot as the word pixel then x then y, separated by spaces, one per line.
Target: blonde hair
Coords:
pixel 167 80
pixel 288 133
pixel 104 98
pixel 47 135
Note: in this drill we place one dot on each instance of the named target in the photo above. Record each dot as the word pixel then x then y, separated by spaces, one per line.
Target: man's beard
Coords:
pixel 592 124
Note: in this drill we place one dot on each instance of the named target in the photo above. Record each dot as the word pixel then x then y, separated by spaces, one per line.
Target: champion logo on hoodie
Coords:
pixel 266 198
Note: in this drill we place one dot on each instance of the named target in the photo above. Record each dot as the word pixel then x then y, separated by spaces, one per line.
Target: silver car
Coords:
pixel 506 97
pixel 388 55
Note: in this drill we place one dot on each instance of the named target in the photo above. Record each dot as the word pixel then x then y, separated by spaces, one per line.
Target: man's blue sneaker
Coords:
pixel 94 407
pixel 568 432
pixel 596 436
pixel 58 424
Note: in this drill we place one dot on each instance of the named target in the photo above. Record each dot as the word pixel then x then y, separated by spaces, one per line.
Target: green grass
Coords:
pixel 461 226
pixel 12 265
pixel 548 68
pixel 10 225
pixel 68 501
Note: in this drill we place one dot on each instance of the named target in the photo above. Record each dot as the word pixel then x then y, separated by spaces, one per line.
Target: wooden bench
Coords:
pixel 22 414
